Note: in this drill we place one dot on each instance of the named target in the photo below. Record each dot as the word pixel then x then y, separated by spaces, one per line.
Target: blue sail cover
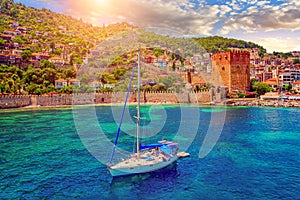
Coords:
pixel 151 146
pixel 166 149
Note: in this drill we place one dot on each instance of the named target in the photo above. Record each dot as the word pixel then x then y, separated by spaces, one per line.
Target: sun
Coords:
pixel 100 1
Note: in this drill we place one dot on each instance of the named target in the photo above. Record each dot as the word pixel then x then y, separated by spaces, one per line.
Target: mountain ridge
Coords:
pixel 50 21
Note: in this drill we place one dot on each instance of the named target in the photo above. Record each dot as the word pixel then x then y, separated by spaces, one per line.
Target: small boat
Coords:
pixel 182 154
pixel 148 158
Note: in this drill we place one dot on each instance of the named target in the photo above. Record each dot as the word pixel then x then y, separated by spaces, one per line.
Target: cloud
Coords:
pixel 188 17
pixel 180 15
pixel 286 44
pixel 264 17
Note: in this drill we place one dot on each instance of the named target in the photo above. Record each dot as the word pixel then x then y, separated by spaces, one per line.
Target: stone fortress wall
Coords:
pixel 17 101
pixel 14 101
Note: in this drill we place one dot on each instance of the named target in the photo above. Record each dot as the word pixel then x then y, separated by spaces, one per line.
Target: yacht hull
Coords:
pixel 141 169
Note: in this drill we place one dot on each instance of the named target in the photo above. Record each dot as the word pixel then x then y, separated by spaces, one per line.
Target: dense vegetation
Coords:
pixel 282 55
pixel 33 80
pixel 51 29
pixel 51 33
pixel 216 43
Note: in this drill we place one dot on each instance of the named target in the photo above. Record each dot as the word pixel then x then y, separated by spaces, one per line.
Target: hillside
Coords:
pixel 58 28
pixel 53 28
pixel 215 43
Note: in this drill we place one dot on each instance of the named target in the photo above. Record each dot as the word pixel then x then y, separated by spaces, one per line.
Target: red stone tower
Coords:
pixel 234 69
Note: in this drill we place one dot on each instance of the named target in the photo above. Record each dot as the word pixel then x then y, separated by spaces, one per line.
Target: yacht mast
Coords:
pixel 138 107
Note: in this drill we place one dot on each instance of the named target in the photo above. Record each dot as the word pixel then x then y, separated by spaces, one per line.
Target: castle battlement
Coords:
pixel 234 68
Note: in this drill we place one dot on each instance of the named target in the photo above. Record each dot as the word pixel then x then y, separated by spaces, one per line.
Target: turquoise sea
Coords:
pixel 60 153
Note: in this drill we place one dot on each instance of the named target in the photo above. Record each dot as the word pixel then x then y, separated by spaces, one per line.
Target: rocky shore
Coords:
pixel 259 102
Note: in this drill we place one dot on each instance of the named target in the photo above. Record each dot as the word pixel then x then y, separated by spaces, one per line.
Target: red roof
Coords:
pixel 74 80
pixel 271 81
pixel 60 80
pixel 6 36
pixel 56 58
pixel 296 82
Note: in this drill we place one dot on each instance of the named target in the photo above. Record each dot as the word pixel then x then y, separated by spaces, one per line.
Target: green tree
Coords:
pixel 159 87
pixel 158 52
pixel 119 72
pixel 296 61
pixel 57 51
pixel 67 89
pixel 20 40
pixel 146 88
pixel 33 89
pixel 107 78
pixel 2 88
pixel 26 55
pixel 287 87
pixel 49 75
pixel 2 42
pixel 261 88
pixel 14 12
pixel 52 46
pixel 47 64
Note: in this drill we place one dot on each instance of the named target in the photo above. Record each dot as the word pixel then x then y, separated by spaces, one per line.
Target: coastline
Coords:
pixel 27 102
pixel 263 103
pixel 109 98
pixel 227 103
pixel 38 107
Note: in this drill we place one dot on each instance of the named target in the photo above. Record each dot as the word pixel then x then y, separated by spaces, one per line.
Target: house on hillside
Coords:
pixel 60 83
pixel 21 29
pixel 74 82
pixel 266 76
pixel 14 24
pixel 109 86
pixel 29 28
pixel 296 86
pixel 14 59
pixel 12 33
pixel 272 82
pixel 161 64
pixel 57 61
pixel 95 53
pixel 3 59
pixel 35 63
pixel 7 37
pixel 40 56
pixel 149 59
pixel 96 85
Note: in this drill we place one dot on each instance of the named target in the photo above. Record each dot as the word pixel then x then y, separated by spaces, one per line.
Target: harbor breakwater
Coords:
pixel 17 101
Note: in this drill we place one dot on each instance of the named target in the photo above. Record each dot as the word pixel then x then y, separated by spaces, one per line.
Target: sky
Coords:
pixel 272 24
